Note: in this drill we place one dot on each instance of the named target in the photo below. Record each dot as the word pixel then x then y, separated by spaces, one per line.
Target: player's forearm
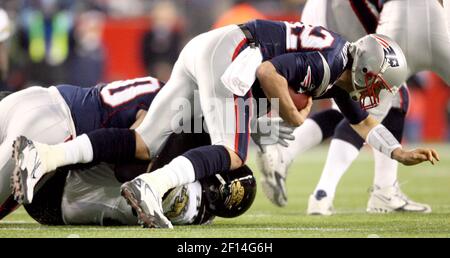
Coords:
pixel 377 136
pixel 275 87
pixel 364 127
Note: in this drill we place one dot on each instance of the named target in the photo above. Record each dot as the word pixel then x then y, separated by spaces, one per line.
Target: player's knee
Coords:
pixel 345 133
pixel 327 121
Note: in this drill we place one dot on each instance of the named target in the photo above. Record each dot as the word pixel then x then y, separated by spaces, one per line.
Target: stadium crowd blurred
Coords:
pixel 89 41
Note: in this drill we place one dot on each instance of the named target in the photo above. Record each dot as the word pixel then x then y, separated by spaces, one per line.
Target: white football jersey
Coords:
pixel 181 206
pixel 5 28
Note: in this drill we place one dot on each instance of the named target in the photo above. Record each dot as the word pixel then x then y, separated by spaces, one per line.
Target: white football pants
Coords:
pixel 38 113
pixel 199 68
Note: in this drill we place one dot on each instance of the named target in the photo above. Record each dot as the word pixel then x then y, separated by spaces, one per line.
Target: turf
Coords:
pixel 424 183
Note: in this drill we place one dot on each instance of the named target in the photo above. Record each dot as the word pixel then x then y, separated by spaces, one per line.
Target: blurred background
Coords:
pixel 85 42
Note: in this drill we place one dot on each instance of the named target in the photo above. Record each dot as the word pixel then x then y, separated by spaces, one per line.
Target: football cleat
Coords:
pixel 320 204
pixel 392 199
pixel 146 203
pixel 274 167
pixel 28 170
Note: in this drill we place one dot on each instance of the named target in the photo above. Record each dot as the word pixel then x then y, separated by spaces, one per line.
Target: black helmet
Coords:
pixel 229 194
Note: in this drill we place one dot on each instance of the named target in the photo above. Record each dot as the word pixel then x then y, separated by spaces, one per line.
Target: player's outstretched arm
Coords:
pixel 381 139
pixel 275 86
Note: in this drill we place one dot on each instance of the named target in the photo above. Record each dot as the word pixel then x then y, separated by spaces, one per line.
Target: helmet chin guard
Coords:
pixel 378 63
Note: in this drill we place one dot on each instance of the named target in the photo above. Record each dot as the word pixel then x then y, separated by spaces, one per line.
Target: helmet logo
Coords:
pixel 236 194
pixel 179 205
pixel 389 53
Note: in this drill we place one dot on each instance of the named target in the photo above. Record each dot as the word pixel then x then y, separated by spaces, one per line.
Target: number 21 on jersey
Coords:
pixel 301 36
pixel 121 92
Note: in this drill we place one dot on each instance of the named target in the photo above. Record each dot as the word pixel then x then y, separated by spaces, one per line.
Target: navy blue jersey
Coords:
pixel 311 59
pixel 113 105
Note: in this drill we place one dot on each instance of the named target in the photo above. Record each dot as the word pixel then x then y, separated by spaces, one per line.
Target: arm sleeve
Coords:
pixel 351 110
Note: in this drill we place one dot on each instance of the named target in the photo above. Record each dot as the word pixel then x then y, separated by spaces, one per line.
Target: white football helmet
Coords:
pixel 378 64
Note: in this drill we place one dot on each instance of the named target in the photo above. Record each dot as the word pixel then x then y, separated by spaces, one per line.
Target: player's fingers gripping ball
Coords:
pixel 300 99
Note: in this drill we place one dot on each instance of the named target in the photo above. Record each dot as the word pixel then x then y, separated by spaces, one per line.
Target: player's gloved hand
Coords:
pixel 272 130
pixel 416 156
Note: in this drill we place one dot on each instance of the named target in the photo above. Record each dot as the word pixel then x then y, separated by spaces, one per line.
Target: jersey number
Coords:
pixel 120 92
pixel 305 37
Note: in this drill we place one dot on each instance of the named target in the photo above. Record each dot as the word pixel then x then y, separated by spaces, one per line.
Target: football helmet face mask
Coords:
pixel 229 194
pixel 378 64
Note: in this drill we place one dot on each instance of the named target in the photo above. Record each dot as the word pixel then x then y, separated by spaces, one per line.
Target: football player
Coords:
pixel 353 19
pixel 91 196
pixel 222 65
pixel 57 114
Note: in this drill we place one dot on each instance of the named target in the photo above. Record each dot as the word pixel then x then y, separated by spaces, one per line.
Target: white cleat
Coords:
pixel 146 202
pixel 320 204
pixel 28 171
pixel 392 199
pixel 274 167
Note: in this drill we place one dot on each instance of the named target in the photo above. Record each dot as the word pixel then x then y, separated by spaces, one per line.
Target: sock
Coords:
pixel 78 150
pixel 341 154
pixel 178 172
pixel 307 136
pixel 385 170
pixel 113 145
pixel 209 160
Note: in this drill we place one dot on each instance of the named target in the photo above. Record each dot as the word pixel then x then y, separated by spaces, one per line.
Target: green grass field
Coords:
pixel 424 183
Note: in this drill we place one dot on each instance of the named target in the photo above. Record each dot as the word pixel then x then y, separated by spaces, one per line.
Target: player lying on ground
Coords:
pixel 280 55
pixel 56 114
pixel 91 196
pixel 354 19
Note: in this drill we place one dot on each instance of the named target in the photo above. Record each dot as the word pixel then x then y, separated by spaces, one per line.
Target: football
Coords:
pixel 300 99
